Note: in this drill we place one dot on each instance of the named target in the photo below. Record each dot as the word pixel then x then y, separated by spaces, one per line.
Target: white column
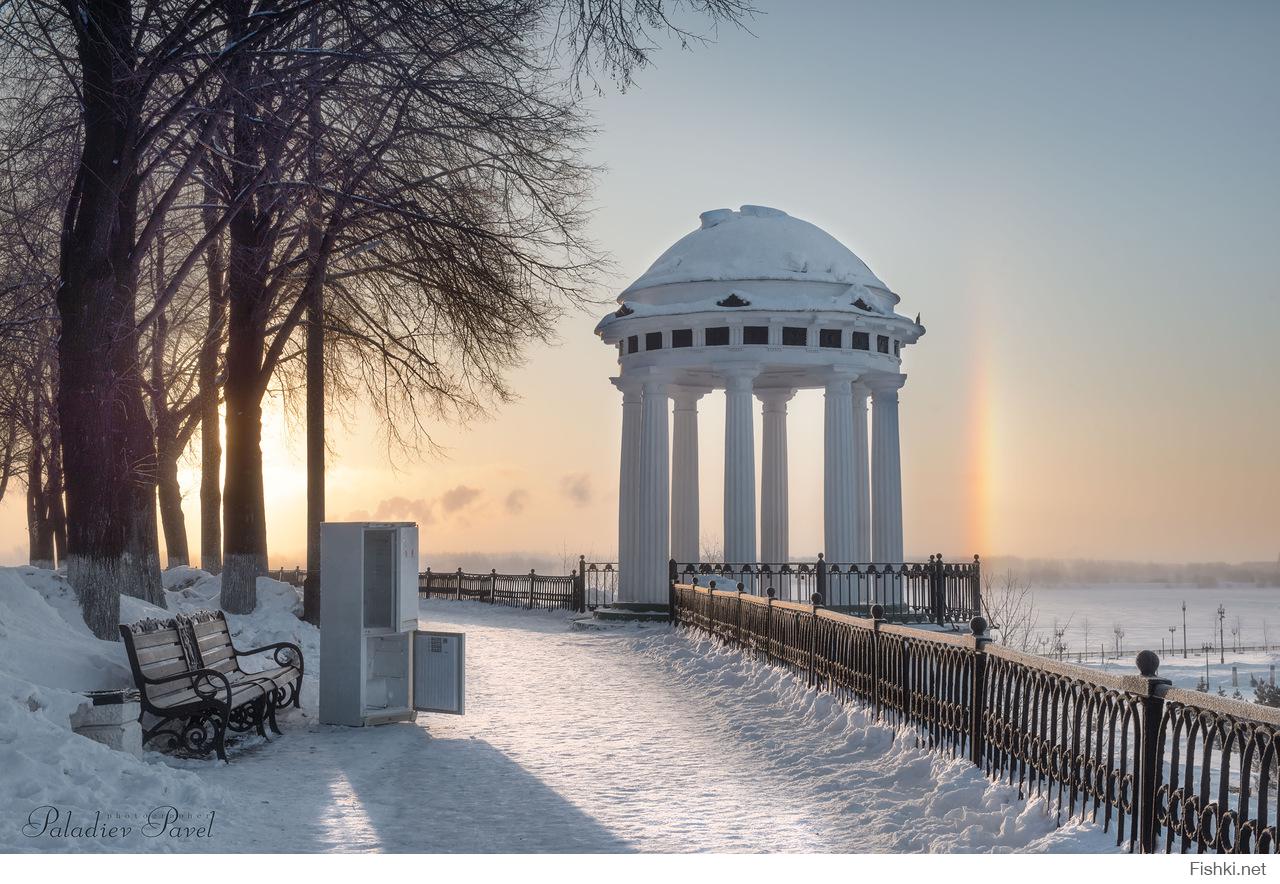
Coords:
pixel 861 475
pixel 628 484
pixel 775 518
pixel 739 470
pixel 839 503
pixel 653 532
pixel 886 474
pixel 684 477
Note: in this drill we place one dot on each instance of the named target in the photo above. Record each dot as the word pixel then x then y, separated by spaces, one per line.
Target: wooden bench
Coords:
pixel 213 649
pixel 188 673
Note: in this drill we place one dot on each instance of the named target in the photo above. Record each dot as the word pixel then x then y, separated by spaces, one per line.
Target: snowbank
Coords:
pixel 48 656
pixel 904 798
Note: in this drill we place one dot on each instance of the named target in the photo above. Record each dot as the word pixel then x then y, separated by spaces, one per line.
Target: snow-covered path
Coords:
pixel 628 739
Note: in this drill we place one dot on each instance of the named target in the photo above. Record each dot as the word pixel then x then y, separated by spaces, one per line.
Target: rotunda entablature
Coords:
pixel 802 306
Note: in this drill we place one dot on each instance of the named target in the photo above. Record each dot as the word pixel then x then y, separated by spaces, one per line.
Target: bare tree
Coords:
pixel 1010 604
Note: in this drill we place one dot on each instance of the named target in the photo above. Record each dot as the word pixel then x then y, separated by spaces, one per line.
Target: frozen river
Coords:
pixel 1145 611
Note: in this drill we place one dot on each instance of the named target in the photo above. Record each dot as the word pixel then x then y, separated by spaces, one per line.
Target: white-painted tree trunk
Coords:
pixel 98 583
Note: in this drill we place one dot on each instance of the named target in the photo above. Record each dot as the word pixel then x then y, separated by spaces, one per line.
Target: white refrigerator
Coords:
pixel 376 665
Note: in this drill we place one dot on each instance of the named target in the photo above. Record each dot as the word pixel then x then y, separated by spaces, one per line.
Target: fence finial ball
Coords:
pixel 877 612
pixel 978 625
pixel 816 598
pixel 713 584
pixel 771 592
pixel 1148 663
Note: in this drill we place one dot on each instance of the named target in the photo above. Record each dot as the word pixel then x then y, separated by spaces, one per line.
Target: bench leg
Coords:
pixel 271 713
pixel 220 734
pixel 260 715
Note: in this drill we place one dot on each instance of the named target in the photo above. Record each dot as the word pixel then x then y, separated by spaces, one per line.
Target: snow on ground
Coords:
pixel 574 740
pixel 47 654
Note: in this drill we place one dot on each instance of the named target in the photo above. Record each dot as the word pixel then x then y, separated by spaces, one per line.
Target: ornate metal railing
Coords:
pixel 532 590
pixel 1166 770
pixel 911 592
pixel 599 583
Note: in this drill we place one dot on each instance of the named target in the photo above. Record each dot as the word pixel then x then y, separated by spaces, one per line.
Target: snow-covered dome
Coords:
pixel 757 243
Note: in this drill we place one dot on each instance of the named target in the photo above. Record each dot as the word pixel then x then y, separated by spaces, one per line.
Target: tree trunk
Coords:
pixel 39 531
pixel 244 511
pixel 108 452
pixel 53 497
pixel 315 372
pixel 244 521
pixel 169 443
pixel 210 429
pixel 171 518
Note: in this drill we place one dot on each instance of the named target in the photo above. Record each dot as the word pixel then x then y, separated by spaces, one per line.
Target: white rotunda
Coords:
pixel 758 304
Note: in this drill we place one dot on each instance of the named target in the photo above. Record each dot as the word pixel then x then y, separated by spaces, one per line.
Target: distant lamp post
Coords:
pixel 1184 630
pixel 1222 641
pixel 1172 632
pixel 1119 632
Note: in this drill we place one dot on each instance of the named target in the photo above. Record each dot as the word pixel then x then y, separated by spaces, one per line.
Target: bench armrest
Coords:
pixel 205 682
pixel 281 655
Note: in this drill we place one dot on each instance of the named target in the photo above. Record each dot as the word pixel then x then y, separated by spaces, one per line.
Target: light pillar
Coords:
pixel 861 475
pixel 775 519
pixel 739 469
pixel 684 477
pixel 839 504
pixel 653 531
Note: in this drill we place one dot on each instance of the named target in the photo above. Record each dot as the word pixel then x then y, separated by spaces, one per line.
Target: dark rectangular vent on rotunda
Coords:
pixel 633 344
pixel 795 337
pixel 682 337
pixel 829 337
pixel 882 343
pixel 860 340
pixel 755 334
pixel 653 341
pixel 718 337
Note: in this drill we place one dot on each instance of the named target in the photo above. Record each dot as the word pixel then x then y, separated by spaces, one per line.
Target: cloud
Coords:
pixel 577 487
pixel 516 501
pixel 458 498
pixel 416 510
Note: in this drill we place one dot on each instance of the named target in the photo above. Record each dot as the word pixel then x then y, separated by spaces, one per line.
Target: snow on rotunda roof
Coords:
pixel 756 242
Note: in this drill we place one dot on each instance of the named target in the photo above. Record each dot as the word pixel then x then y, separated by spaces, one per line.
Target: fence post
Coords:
pixel 672 574
pixel 822 576
pixel 978 691
pixel 532 577
pixel 493 586
pixel 768 623
pixel 937 590
pixel 814 601
pixel 975 586
pixel 427 576
pixel 582 585
pixel 877 617
pixel 458 591
pixel 1152 713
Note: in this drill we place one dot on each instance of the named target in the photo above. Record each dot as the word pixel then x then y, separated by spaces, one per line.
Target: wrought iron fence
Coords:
pixel 1166 770
pixel 599 583
pixel 912 592
pixel 532 590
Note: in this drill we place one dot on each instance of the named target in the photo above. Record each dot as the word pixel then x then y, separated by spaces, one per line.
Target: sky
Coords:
pixel 1082 201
